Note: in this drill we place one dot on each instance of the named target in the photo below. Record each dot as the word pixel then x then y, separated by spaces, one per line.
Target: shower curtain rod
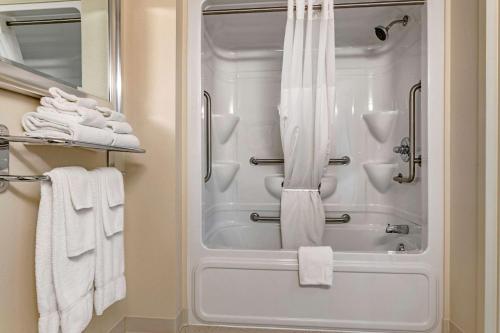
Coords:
pixel 364 4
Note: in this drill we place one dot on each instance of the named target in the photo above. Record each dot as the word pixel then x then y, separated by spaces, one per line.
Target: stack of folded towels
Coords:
pixel 65 116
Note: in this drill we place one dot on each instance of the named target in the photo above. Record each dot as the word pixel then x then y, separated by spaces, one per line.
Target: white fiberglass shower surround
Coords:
pixel 389 88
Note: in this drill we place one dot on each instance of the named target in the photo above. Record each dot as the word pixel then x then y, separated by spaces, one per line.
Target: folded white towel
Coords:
pixel 111 115
pixel 79 115
pixel 51 125
pixel 119 127
pixel 315 265
pixel 125 141
pixel 65 259
pixel 110 285
pixel 61 94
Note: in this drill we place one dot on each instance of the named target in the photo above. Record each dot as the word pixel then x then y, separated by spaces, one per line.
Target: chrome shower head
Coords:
pixel 382 32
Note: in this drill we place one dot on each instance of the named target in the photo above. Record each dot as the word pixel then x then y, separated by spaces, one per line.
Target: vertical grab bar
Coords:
pixel 413 159
pixel 208 135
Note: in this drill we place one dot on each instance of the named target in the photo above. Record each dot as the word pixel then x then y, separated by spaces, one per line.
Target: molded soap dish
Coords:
pixel 380 124
pixel 380 174
pixel 224 126
pixel 273 185
pixel 224 173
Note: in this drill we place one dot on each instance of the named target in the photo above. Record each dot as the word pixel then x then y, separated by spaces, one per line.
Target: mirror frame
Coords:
pixel 19 78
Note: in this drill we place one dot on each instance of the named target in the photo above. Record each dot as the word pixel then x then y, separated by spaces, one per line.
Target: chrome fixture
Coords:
pixel 272 9
pixel 6 139
pixel 382 32
pixel 43 21
pixel 255 217
pixel 208 135
pixel 397 229
pixel 345 160
pixel 407 149
pixel 403 149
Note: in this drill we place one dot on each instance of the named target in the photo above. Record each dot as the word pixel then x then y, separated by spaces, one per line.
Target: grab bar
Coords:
pixel 255 217
pixel 407 148
pixel 345 160
pixel 208 134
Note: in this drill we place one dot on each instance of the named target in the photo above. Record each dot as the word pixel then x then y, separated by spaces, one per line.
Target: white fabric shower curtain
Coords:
pixel 307 102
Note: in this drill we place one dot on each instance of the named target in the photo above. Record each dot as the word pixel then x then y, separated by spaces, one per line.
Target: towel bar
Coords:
pixel 255 217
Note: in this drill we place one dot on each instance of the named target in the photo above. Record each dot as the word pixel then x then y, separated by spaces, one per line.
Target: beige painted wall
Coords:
pixel 153 209
pixel 464 226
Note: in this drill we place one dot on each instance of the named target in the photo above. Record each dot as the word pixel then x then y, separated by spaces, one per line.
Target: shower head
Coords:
pixel 382 32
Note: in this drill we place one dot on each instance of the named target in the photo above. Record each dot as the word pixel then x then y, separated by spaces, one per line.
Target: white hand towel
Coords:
pixel 111 115
pixel 125 141
pixel 315 265
pixel 79 115
pixel 79 217
pixel 61 274
pixel 110 284
pixel 119 127
pixel 49 125
pixel 86 102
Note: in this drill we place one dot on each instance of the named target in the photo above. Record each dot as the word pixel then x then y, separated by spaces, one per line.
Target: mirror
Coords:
pixel 67 42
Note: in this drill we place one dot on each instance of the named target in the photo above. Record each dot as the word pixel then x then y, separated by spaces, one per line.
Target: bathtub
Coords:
pixel 365 232
pixel 245 279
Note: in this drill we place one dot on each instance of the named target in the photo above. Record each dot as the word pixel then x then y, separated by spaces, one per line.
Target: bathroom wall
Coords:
pixel 464 245
pixel 153 191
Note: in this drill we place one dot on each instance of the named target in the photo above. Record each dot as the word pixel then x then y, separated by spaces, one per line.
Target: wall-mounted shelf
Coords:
pixel 6 139
pixel 67 143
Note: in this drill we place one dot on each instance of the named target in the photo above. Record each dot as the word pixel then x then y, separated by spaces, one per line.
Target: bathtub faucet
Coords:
pixel 397 229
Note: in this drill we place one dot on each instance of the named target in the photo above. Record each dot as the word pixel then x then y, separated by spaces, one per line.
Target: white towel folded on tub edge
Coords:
pixel 315 265
pixel 86 102
pixel 53 126
pixel 80 115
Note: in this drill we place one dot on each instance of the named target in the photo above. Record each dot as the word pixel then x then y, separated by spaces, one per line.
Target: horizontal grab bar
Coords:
pixel 345 160
pixel 255 217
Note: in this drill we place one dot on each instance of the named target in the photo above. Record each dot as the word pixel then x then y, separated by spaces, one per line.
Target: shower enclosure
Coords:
pixel 382 192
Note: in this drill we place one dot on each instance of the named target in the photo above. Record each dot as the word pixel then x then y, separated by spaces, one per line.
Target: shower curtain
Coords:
pixel 307 101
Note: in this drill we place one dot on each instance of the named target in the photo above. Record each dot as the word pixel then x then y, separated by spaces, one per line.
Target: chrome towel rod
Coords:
pixel 43 21
pixel 361 4
pixel 345 160
pixel 255 217
pixel 13 178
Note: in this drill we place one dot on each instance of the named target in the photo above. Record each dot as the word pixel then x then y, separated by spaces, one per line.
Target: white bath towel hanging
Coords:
pixel 110 285
pixel 65 258
pixel 307 102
